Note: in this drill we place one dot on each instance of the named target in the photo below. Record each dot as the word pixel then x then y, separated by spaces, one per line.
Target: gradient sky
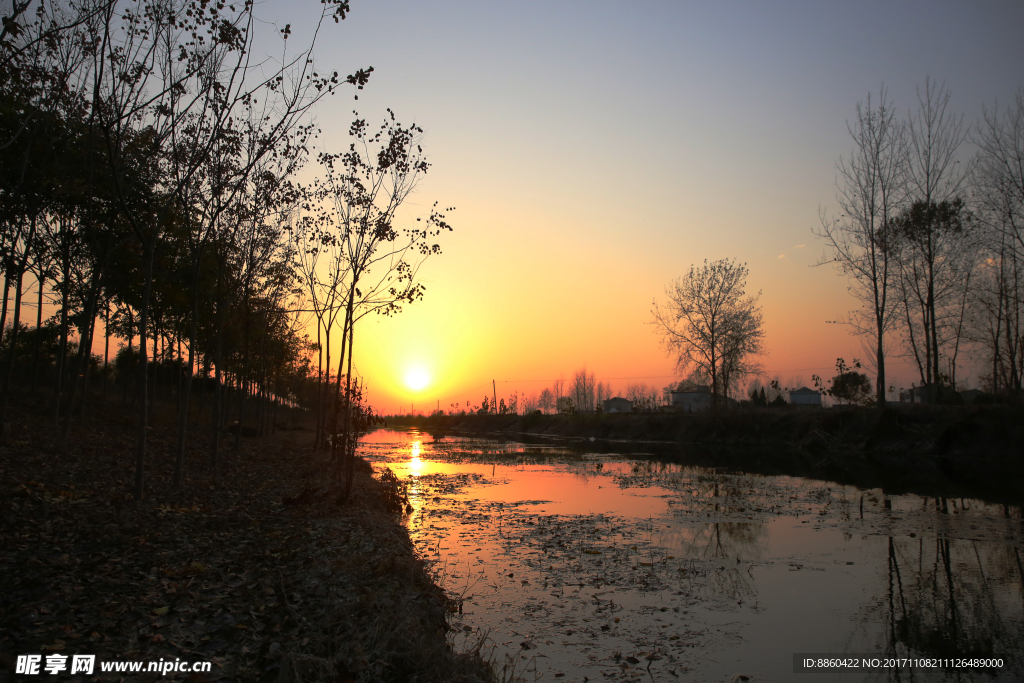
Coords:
pixel 594 150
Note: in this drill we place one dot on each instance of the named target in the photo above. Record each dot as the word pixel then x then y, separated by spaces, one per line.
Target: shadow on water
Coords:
pixel 898 472
pixel 587 562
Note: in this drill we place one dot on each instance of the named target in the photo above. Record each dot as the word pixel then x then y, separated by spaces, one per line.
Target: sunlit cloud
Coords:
pixel 800 246
pixel 782 256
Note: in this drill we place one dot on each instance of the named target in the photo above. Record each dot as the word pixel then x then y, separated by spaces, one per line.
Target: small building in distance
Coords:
pixel 617 405
pixel 933 393
pixel 914 394
pixel 805 397
pixel 692 400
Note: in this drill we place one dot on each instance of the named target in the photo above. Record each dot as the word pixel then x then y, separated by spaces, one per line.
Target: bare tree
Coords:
pixel 323 282
pixel 936 262
pixel 997 323
pixel 1000 165
pixel 546 402
pixel 362 192
pixel 862 241
pixel 582 390
pixel 558 392
pixel 938 246
pixel 643 396
pixel 710 324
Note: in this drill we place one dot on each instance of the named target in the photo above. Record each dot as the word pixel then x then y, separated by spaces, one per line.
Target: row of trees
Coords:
pixel 581 393
pixel 931 238
pixel 584 394
pixel 147 183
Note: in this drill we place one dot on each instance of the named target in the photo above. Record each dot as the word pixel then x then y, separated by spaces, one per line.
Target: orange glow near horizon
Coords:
pixel 576 201
pixel 554 266
pixel 444 352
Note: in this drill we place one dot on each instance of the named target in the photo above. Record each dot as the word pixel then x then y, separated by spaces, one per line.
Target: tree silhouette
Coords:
pixel 710 324
pixel 862 240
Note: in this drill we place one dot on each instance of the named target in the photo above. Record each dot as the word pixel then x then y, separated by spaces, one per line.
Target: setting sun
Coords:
pixel 417 379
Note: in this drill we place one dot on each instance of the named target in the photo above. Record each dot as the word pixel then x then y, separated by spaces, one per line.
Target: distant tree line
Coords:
pixel 932 240
pixel 581 393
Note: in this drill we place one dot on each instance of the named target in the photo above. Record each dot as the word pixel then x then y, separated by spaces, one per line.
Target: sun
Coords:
pixel 417 379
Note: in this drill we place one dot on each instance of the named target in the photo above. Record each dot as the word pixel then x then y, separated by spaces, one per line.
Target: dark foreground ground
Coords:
pixel 249 567
pixel 952 451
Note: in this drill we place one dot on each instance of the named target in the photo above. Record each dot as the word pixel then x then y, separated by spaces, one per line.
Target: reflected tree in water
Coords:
pixel 949 598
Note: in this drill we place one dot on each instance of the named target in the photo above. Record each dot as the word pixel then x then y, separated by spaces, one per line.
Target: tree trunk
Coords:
pixel 880 382
pixel 243 390
pixel 205 377
pixel 3 308
pixel 345 338
pixel 934 337
pixel 349 439
pixel 218 363
pixel 186 389
pixel 318 439
pixel 131 352
pixel 12 350
pixel 156 366
pixel 149 253
pixel 15 324
pixel 106 347
pixel 64 303
pixel 88 366
pixel 39 334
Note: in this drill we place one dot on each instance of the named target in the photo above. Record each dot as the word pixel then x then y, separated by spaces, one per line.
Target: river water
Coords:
pixel 574 565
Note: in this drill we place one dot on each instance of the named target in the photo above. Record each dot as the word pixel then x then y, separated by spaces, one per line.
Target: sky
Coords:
pixel 595 150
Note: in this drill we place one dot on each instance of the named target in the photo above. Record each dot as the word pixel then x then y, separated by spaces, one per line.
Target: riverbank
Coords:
pixel 249 567
pixel 951 451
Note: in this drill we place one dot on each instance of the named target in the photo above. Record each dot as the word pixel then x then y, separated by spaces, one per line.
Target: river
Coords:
pixel 569 564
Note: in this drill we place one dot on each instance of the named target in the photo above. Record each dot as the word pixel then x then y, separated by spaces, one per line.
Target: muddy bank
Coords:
pixel 929 450
pixel 251 567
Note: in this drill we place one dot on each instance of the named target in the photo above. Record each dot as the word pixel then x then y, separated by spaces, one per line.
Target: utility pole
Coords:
pixel 494 388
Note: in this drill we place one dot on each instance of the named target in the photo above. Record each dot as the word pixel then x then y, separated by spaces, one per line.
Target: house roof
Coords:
pixel 804 390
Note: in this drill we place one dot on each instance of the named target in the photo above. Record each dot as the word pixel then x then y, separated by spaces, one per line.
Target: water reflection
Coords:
pixel 415 464
pixel 613 568
pixel 946 595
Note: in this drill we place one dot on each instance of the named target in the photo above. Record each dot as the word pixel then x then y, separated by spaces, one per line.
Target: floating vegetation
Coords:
pixel 615 568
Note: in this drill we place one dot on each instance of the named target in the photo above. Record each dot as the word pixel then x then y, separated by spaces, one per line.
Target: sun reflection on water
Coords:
pixel 666 562
pixel 415 464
